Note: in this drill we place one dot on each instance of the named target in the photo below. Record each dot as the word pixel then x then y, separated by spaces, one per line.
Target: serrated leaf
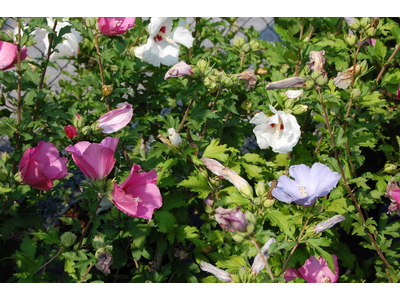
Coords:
pixel 281 220
pixel 196 182
pixel 233 264
pixel 380 48
pixel 233 198
pixel 217 151
pixel 165 220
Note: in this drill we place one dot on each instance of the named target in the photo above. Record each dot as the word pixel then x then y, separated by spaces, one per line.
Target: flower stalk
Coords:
pixel 101 69
pixel 264 259
pixel 349 189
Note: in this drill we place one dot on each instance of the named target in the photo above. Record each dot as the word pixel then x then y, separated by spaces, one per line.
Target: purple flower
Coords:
pixel 104 263
pixel 308 184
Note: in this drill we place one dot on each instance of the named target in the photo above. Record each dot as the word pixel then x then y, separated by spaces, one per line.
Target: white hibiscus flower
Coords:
pixel 162 46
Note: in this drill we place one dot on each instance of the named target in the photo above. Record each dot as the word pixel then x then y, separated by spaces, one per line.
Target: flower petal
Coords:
pixel 182 36
pixel 322 179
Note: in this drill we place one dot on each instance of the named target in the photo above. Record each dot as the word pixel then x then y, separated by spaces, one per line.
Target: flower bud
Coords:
pixel 309 84
pixel 365 22
pixel 86 130
pixel 389 168
pixel 202 65
pixel 174 137
pixel 355 25
pixel 98 242
pixel 5 157
pixel 370 31
pixel 334 111
pixel 216 181
pixel 67 239
pixel 268 203
pixel 299 109
pixel 322 80
pixel 247 191
pixel 231 219
pixel 106 90
pixel 210 84
pixel 351 39
pixel 239 42
pixel 260 189
pixel 355 94
pixel 78 121
pixel 289 103
pixel 261 71
pixel 3 174
pixel 254 45
pixel 246 48
pixel 70 131
pixel 91 22
pixel 196 72
pixel 246 104
pixel 363 67
pixel 227 82
pixel 315 75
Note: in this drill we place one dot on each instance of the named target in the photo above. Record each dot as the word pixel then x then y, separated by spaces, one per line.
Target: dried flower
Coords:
pixel 393 193
pixel 343 79
pixel 104 263
pixel 258 263
pixel 286 83
pixel 249 78
pixel 325 225
pixel 317 61
pixel 220 274
pixel 174 137
pixel 179 69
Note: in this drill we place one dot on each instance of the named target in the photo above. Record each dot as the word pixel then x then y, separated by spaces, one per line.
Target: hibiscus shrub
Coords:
pixel 180 150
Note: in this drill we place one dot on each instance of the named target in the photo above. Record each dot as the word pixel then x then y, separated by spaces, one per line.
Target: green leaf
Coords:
pixel 217 152
pixel 281 220
pixel 165 220
pixel 48 238
pixel 233 198
pixel 28 247
pixel 196 182
pixel 233 264
pixel 380 48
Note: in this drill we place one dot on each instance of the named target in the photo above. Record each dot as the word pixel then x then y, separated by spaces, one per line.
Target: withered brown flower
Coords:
pixel 286 83
pixel 343 79
pixel 249 78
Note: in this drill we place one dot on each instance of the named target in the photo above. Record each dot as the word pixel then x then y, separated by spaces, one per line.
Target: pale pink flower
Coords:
pixel 41 165
pixel 116 119
pixel 94 160
pixel 8 55
pixel 138 196
pixel 220 274
pixel 315 271
pixel 115 25
pixel 180 69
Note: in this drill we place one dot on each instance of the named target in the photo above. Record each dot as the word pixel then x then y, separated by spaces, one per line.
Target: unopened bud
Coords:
pixel 239 42
pixel 98 242
pixel 334 111
pixel 106 90
pixel 260 189
pixel 254 45
pixel 315 75
pixel 365 22
pixel 247 191
pixel 370 31
pixel 322 80
pixel 78 121
pixel 363 67
pixel 210 84
pixel 389 168
pixel 289 103
pixel 355 94
pixel 227 82
pixel 202 65
pixel 91 22
pixel 299 109
pixel 86 130
pixel 5 157
pixel 268 203
pixel 196 72
pixel 355 25
pixel 216 181
pixel 246 104
pixel 67 239
pixel 351 39
pixel 309 84
pixel 246 48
